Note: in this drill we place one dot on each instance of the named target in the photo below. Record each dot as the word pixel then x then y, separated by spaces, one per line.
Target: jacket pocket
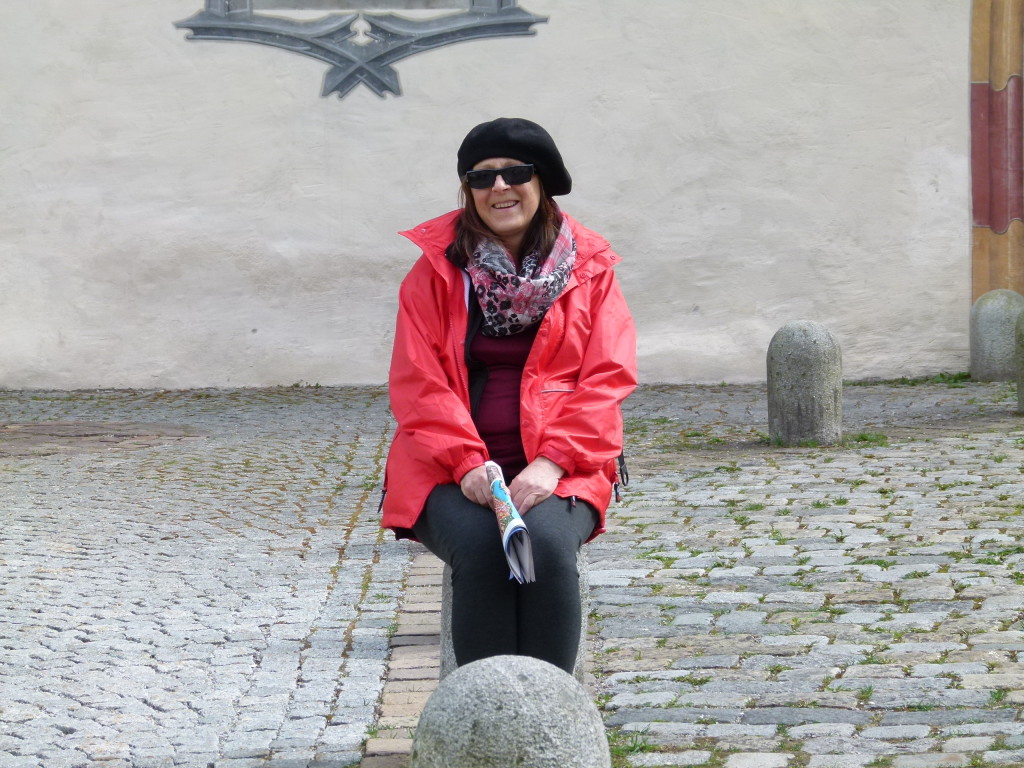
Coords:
pixel 554 394
pixel 552 387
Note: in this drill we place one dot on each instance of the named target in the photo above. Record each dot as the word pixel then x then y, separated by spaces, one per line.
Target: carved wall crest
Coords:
pixel 359 46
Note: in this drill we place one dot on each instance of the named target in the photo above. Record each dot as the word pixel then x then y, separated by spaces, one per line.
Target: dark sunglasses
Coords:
pixel 514 174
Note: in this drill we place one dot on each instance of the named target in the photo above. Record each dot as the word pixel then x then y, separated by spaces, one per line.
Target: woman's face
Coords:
pixel 507 210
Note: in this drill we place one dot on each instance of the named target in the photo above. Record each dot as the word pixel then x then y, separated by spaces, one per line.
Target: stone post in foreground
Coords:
pixel 993 320
pixel 510 711
pixel 805 386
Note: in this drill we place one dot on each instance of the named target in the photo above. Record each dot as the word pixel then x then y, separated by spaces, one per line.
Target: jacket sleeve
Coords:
pixel 585 433
pixel 429 397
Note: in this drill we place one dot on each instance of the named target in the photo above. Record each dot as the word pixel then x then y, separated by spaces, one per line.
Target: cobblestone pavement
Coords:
pixel 196 578
pixel 831 608
pixel 193 578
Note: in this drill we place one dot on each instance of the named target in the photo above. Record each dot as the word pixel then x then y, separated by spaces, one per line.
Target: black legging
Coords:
pixel 493 615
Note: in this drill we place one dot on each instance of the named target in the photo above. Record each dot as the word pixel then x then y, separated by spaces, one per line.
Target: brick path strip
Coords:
pixel 413 667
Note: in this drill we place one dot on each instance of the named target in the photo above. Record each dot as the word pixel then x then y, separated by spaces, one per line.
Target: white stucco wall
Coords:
pixel 179 214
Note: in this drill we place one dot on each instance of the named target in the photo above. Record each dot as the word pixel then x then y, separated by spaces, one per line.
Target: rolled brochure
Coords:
pixel 515 539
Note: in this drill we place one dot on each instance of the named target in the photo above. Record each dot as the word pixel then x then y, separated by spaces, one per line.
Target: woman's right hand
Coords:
pixel 476 487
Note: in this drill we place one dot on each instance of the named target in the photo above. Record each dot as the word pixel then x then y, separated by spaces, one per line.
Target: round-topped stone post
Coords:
pixel 805 386
pixel 1019 359
pixel 993 348
pixel 510 711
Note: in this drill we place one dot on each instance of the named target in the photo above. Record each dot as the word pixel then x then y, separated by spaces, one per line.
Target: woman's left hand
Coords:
pixel 535 483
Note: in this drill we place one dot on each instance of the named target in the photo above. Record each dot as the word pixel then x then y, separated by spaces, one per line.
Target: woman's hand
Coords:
pixel 475 487
pixel 535 483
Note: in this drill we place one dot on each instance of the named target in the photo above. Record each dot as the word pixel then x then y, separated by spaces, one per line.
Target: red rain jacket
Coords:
pixel 581 367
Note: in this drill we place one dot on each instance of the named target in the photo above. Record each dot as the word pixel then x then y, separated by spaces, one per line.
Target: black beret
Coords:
pixel 518 139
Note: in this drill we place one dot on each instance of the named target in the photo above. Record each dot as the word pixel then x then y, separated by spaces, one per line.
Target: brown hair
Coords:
pixel 470 229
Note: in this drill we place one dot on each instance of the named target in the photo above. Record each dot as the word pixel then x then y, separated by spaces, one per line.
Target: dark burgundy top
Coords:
pixel 497 413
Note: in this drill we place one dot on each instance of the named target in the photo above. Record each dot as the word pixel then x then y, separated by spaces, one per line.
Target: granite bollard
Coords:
pixel 448 662
pixel 510 711
pixel 805 386
pixel 1019 360
pixel 993 348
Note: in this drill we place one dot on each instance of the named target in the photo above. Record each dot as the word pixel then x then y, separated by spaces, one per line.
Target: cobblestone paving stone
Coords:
pixel 197 578
pixel 203 583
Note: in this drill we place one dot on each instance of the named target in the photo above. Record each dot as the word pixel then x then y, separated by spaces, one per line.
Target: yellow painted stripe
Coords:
pixel 997 260
pixel 1005 56
pixel 981 40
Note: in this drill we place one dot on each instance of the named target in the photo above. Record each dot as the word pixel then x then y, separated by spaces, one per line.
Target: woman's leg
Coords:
pixel 465 535
pixel 549 609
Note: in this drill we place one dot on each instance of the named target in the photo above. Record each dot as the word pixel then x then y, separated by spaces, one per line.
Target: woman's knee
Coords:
pixel 554 557
pixel 558 528
pixel 450 523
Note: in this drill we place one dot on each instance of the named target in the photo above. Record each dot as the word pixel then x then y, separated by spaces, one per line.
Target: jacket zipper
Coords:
pixel 460 354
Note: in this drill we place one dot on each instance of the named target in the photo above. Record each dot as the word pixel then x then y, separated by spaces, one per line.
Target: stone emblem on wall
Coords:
pixel 359 46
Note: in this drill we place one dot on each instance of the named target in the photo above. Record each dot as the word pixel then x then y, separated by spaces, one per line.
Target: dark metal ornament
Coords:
pixel 360 47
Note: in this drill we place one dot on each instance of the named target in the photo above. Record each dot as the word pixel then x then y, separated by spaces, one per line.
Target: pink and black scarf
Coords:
pixel 511 301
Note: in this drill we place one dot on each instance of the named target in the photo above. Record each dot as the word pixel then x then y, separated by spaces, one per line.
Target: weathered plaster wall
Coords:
pixel 180 214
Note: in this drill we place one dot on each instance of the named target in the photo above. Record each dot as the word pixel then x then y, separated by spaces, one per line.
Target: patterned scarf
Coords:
pixel 512 302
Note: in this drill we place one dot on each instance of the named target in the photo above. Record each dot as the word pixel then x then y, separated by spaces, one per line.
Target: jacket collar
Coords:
pixel 593 253
pixel 433 237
